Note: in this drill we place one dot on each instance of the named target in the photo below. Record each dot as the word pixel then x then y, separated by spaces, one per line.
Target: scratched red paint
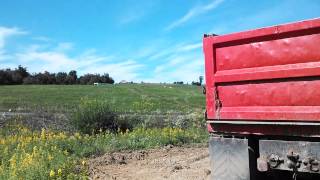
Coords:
pixel 268 74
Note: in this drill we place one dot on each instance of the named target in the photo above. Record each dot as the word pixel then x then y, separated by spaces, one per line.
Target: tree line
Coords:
pixel 20 75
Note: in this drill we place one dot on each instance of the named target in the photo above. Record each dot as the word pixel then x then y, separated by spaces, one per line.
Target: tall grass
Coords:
pixel 93 115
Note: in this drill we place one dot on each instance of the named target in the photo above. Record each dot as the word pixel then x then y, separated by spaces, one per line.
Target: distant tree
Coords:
pixel 30 80
pixel 196 83
pixel 72 77
pixel 95 78
pixel 105 78
pixel 61 77
pixel 22 71
pixel 8 77
pixel 51 78
pixel 16 77
pixel 4 77
pixel 178 82
pixel 200 79
pixel 84 79
pixel 20 75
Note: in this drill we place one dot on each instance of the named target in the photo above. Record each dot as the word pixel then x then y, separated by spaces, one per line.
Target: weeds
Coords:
pixel 45 154
pixel 93 115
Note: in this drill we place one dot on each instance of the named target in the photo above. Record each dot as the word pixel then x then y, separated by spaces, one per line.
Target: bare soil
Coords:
pixel 165 163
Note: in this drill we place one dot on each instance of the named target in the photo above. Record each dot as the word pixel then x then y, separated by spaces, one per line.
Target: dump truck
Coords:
pixel 263 102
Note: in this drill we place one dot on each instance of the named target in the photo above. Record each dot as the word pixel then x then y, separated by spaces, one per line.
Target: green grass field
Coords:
pixel 124 98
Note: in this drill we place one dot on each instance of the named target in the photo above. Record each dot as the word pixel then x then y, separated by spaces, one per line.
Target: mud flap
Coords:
pixel 229 158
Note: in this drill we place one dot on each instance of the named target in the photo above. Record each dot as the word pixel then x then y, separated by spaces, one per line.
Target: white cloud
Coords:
pixel 182 62
pixel 128 70
pixel 52 60
pixel 42 38
pixel 46 61
pixel 187 71
pixel 136 11
pixel 131 17
pixel 4 56
pixel 64 46
pixel 195 11
pixel 6 32
pixel 175 49
pixel 189 47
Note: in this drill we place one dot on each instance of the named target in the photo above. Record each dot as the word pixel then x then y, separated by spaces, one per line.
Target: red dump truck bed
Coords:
pixel 263 102
pixel 265 75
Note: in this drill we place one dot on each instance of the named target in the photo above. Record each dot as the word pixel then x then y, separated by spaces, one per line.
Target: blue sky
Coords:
pixel 151 40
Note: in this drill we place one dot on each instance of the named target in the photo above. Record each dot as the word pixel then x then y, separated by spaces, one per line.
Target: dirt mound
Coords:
pixel 166 163
pixel 118 158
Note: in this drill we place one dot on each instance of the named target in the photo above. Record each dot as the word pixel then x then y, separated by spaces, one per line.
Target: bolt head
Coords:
pixel 262 164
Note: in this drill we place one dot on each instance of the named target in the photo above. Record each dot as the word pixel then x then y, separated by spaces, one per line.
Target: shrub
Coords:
pixel 94 115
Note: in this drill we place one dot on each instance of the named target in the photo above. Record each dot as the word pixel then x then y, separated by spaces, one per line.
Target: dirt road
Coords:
pixel 165 163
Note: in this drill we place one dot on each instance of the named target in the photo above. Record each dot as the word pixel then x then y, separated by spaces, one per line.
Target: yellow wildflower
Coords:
pixel 77 135
pixel 43 134
pixel 59 172
pixel 50 157
pixel 27 160
pixel 52 173
pixel 83 163
pixel 65 152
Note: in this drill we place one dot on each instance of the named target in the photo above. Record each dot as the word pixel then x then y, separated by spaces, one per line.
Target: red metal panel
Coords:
pixel 290 93
pixel 209 55
pixel 268 74
pixel 292 50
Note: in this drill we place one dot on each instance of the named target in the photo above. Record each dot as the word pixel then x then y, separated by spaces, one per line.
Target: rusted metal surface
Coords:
pixel 229 158
pixel 299 156
pixel 269 74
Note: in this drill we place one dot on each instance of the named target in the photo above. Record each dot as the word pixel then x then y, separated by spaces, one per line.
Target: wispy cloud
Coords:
pixel 136 12
pixel 187 69
pixel 64 46
pixel 131 17
pixel 4 56
pixel 189 47
pixel 193 12
pixel 175 49
pixel 128 70
pixel 42 38
pixel 6 32
pixel 181 62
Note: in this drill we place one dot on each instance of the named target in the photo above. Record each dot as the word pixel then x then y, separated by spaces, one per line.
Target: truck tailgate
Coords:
pixel 268 74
